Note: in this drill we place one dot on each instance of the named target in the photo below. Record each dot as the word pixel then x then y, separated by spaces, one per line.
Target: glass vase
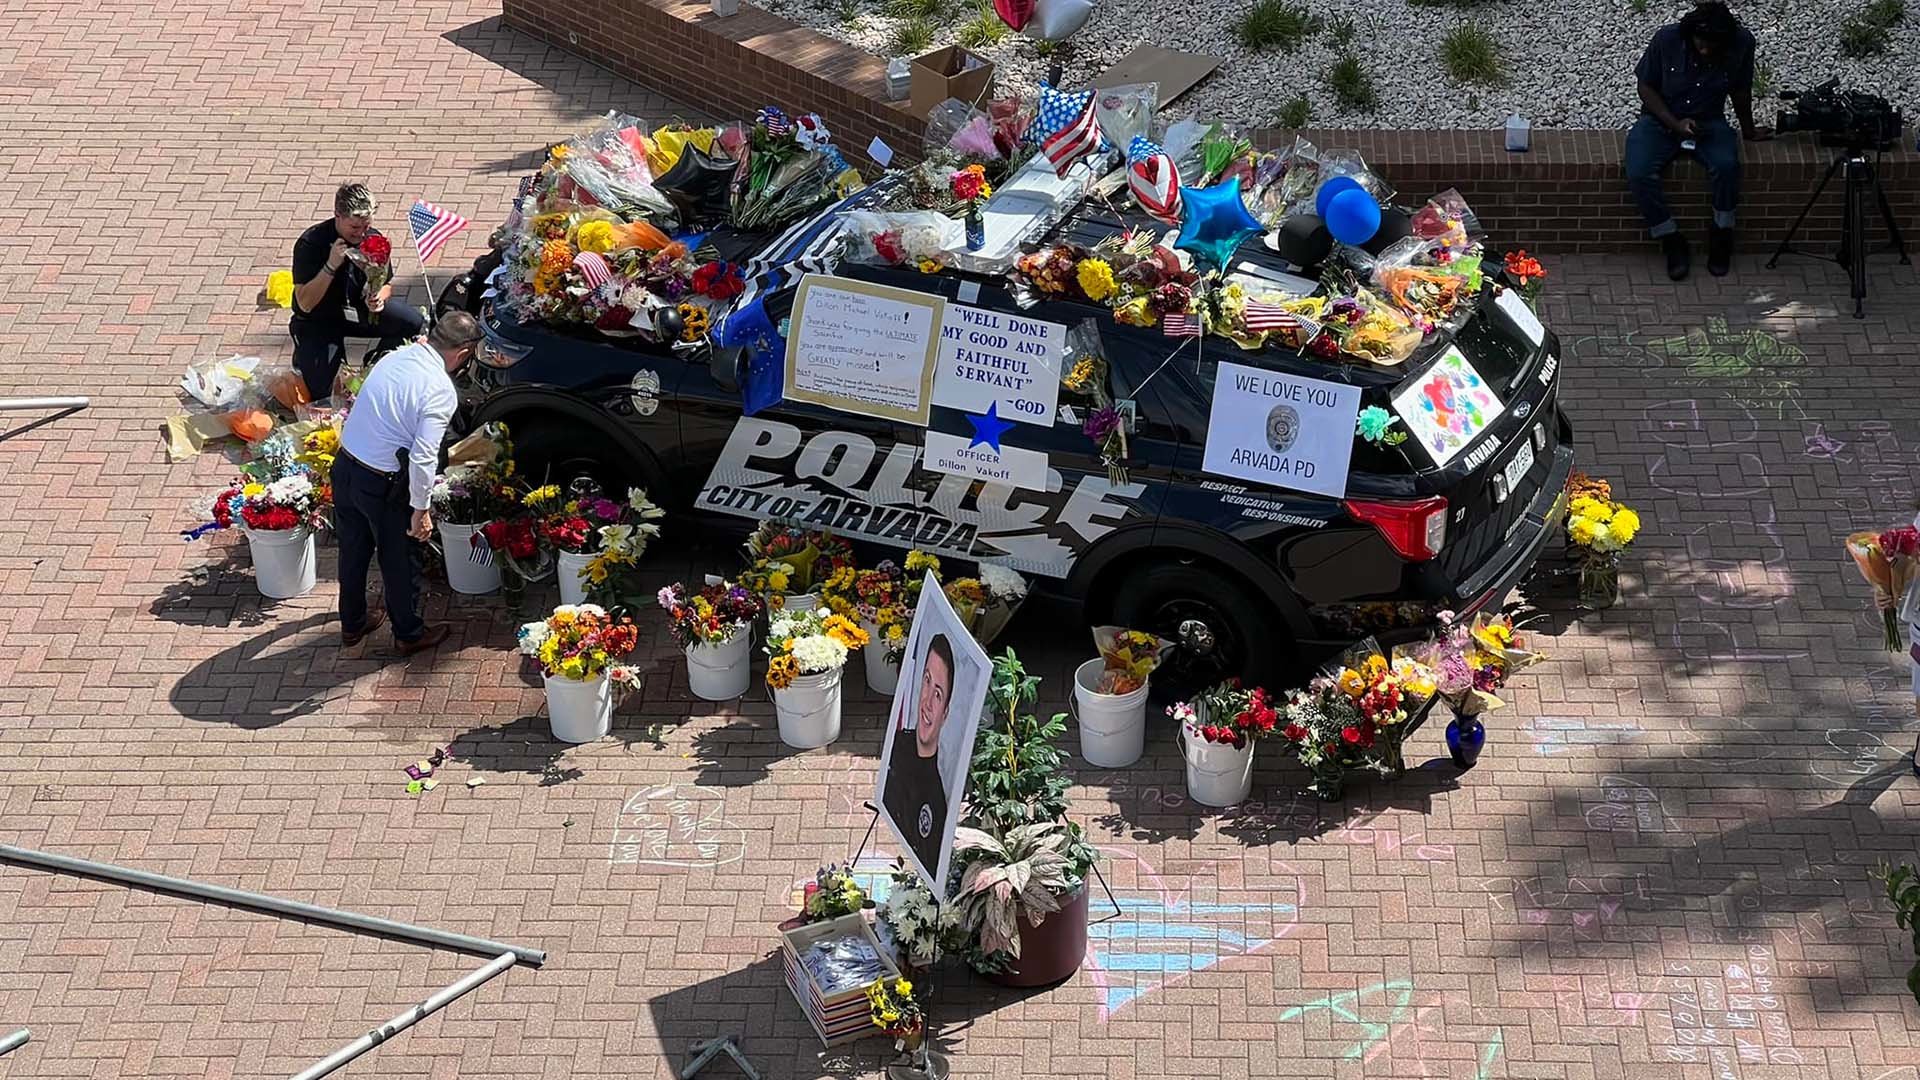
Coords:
pixel 1466 737
pixel 1599 582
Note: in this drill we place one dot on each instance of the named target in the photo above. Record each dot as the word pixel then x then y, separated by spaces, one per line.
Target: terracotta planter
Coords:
pixel 1052 951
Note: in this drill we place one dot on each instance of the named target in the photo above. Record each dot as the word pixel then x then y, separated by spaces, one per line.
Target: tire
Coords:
pixel 548 450
pixel 1250 640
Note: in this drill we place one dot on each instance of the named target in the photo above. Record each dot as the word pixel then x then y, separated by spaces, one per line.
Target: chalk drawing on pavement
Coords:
pixel 678 826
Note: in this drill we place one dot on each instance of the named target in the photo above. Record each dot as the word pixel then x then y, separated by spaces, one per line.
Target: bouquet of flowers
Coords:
pixel 1527 275
pixel 1005 591
pixel 880 603
pixel 772 542
pixel 1228 714
pixel 471 495
pixel 1086 378
pixel 290 502
pixel 1130 656
pixel 915 922
pixel 894 1010
pixel 1890 561
pixel 572 526
pixel 613 575
pixel 712 616
pixel 1350 716
pixel 792 168
pixel 809 643
pixel 374 257
pixel 581 642
pixel 832 893
pixel 1600 529
pixel 1468 663
pixel 968 597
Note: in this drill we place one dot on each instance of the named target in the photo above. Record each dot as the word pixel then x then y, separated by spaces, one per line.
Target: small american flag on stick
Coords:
pixel 432 227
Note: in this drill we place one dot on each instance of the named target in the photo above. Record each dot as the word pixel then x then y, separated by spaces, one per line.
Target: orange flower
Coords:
pixel 1524 267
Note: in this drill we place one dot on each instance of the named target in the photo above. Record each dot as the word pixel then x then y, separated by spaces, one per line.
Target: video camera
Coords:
pixel 1846 118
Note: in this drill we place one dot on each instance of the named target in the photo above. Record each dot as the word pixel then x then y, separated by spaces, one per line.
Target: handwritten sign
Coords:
pixel 1010 465
pixel 863 348
pixel 1281 430
pixel 678 827
pixel 989 357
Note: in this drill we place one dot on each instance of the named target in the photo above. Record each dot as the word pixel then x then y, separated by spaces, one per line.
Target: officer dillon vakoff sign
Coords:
pixel 1281 430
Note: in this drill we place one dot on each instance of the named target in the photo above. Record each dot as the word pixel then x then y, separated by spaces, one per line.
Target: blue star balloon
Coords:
pixel 1216 223
pixel 988 429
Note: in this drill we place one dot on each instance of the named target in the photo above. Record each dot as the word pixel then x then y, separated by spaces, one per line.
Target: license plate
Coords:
pixel 1516 469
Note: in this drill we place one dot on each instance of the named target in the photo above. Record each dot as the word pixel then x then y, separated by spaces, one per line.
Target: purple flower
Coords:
pixel 1101 423
pixel 604 509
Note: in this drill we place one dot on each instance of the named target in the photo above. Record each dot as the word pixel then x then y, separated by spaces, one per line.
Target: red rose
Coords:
pixel 1351 735
pixel 887 245
pixel 377 249
pixel 1295 732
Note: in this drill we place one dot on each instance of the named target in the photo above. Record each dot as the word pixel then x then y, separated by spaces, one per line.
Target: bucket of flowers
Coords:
pixel 613 576
pixel 1217 731
pixel 713 627
pixel 474 490
pixel 570 527
pixel 279 518
pixel 1110 695
pixel 1005 590
pixel 807 651
pixel 1468 664
pixel 780 559
pixel 880 606
pixel 1599 530
pixel 581 651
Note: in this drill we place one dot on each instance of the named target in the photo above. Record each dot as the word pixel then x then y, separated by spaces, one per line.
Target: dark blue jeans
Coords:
pixel 1650 146
pixel 371 516
pixel 319 346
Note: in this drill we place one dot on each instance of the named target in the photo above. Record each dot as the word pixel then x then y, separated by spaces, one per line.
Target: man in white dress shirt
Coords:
pixel 390 448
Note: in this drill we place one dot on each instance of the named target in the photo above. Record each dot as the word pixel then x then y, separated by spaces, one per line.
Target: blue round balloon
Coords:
pixel 1323 199
pixel 1353 217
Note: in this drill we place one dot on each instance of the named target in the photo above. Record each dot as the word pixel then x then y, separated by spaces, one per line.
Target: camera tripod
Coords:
pixel 1862 179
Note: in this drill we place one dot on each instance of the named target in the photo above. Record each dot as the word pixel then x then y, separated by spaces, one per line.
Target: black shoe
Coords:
pixel 1679 260
pixel 1719 251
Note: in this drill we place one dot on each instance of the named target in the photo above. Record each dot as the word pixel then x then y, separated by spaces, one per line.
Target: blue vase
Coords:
pixel 1465 738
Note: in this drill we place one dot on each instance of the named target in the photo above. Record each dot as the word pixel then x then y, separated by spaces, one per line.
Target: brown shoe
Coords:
pixel 434 636
pixel 375 620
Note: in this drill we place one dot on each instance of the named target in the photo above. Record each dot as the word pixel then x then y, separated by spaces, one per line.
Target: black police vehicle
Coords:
pixel 1268 578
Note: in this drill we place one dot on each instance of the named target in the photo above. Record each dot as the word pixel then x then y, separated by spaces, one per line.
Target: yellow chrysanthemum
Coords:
pixel 1581 531
pixel 1625 525
pixel 1096 278
pixel 1352 683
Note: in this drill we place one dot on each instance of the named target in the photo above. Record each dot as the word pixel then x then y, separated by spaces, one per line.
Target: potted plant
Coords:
pixel 1903 889
pixel 833 892
pixel 279 518
pixel 1110 695
pixel 1021 900
pixel 1599 530
pixel 712 628
pixel 879 605
pixel 571 529
pixel 613 576
pixel 579 649
pixel 807 652
pixel 1217 732
pixel 1005 590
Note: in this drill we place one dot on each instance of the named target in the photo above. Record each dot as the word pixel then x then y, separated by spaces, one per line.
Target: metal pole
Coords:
pixel 47 860
pixel 405 1020
pixel 25 404
pixel 15 1041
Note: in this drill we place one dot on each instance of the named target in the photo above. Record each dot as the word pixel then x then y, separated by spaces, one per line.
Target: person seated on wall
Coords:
pixel 330 298
pixel 1687 74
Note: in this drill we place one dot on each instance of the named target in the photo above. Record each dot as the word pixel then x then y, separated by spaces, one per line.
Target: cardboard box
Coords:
pixel 836 1016
pixel 950 72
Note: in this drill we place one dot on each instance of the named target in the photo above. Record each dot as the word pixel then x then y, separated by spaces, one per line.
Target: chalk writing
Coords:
pixel 1567 734
pixel 1734 1019
pixel 676 826
pixel 1378 1034
pixel 1628 807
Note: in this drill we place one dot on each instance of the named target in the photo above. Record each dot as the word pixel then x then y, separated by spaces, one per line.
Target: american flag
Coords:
pixel 1262 317
pixel 1068 129
pixel 1181 324
pixel 593 269
pixel 432 227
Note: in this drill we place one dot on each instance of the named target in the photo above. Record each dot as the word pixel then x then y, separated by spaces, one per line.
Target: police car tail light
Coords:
pixel 1416 530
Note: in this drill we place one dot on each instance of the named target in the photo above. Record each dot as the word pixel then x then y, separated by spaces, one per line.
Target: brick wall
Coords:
pixel 1566 195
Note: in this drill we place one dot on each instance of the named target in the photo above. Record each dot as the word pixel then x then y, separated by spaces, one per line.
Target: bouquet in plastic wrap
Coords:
pixel 1360 325
pixel 924 239
pixel 791 169
pixel 1130 657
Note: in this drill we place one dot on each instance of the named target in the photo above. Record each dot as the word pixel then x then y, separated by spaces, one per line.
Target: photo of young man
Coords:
pixel 916 791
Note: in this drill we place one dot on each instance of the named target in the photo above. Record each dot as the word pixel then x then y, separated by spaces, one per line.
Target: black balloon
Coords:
pixel 667 325
pixel 1395 224
pixel 1304 240
pixel 699 185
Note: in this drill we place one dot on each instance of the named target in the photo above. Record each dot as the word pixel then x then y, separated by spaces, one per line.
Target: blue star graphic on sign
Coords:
pixel 988 429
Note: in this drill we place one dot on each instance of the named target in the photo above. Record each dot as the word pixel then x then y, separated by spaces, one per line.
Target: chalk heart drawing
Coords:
pixel 1165 936
pixel 676 825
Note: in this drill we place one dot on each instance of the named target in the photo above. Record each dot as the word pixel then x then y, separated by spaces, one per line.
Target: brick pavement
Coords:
pixel 1657 871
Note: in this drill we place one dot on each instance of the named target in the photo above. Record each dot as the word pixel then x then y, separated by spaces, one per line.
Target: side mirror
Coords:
pixel 729 367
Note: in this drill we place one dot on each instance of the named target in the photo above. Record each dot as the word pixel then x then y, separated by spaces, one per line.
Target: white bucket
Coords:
pixel 720 672
pixel 1113 727
pixel 1218 774
pixel 282 561
pixel 471 568
pixel 802 602
pixel 573 587
pixel 579 710
pixel 882 675
pixel 809 710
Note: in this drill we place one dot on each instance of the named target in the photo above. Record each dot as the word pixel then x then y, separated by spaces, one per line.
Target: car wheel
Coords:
pixel 551 452
pixel 1218 623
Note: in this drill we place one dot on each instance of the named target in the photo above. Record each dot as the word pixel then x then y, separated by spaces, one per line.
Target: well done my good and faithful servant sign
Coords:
pixel 1281 430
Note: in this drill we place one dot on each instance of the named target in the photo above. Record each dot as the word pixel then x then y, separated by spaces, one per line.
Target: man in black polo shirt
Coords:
pixel 1686 76
pixel 330 301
